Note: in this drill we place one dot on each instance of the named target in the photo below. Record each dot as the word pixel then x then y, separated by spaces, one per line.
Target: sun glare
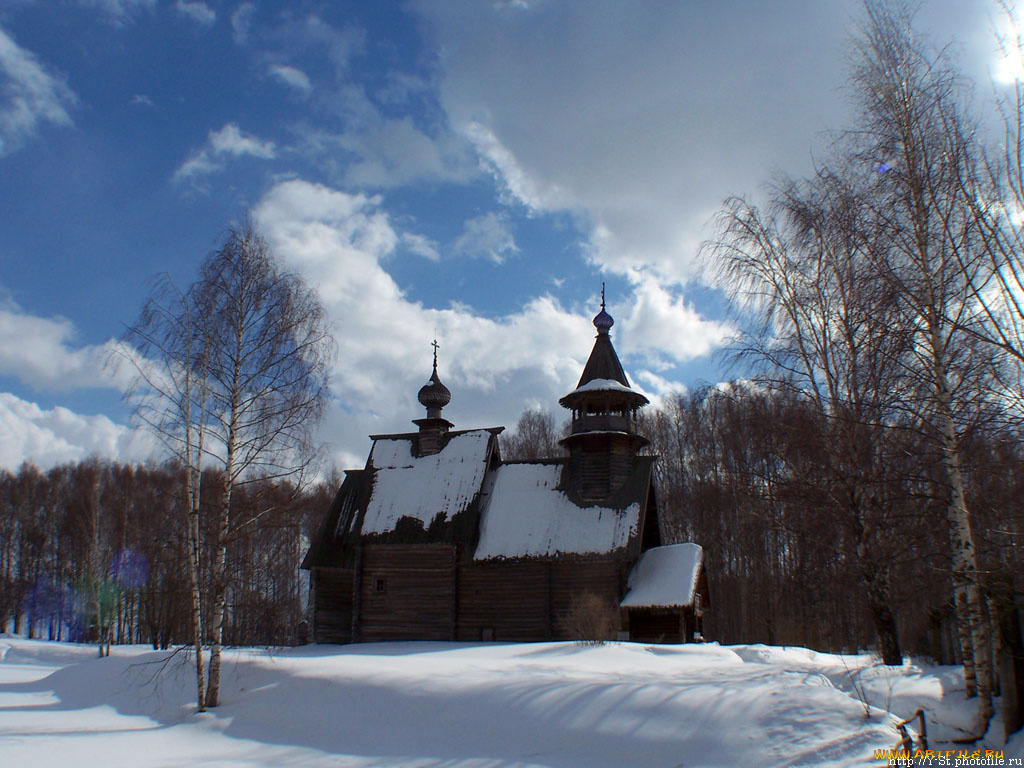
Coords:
pixel 1008 67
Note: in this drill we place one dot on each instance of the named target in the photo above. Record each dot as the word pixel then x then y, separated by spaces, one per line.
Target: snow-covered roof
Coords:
pixel 420 487
pixel 664 577
pixel 602 385
pixel 525 515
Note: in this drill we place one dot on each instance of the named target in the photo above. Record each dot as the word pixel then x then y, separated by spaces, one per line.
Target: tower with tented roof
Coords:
pixel 603 441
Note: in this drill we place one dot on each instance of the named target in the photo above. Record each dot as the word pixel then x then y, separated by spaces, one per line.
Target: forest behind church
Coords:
pixel 740 473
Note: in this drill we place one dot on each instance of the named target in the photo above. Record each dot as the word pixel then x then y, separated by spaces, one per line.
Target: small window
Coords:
pixel 698 604
pixel 380 584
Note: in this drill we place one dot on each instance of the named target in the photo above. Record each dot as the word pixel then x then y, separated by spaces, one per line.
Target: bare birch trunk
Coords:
pixel 220 566
pixel 963 634
pixel 193 488
pixel 966 584
pixel 219 609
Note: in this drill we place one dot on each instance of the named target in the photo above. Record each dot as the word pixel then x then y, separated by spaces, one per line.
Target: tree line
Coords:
pixel 97 552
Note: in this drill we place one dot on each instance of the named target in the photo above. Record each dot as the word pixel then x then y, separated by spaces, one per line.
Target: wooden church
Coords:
pixel 437 538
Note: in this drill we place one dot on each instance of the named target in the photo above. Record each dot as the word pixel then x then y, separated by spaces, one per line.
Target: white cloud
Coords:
pixel 50 437
pixel 372 150
pixel 421 246
pixel 292 77
pixel 640 118
pixel 119 11
pixel 39 351
pixel 29 96
pixel 310 32
pixel 241 21
pixel 229 141
pixel 657 321
pixel 494 367
pixel 486 236
pixel 196 11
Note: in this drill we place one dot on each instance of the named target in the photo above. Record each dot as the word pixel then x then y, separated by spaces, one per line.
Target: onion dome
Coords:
pixel 603 321
pixel 434 394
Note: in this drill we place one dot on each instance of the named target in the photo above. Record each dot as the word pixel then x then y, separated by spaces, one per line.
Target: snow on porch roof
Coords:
pixel 525 515
pixel 420 487
pixel 664 577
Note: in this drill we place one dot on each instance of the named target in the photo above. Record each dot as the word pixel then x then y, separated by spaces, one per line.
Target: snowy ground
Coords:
pixel 412 705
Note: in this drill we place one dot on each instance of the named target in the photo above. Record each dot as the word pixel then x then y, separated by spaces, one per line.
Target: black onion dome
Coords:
pixel 603 321
pixel 434 394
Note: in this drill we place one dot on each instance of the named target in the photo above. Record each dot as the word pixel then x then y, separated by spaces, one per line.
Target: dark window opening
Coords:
pixel 380 584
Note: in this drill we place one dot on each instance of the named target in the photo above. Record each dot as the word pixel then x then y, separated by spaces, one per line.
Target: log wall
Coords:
pixel 527 600
pixel 421 592
pixel 417 601
pixel 332 605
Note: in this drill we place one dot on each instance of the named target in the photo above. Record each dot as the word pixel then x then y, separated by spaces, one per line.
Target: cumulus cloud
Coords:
pixel 228 142
pixel 487 236
pixel 40 352
pixel 638 120
pixel 29 95
pixel 494 366
pixel 658 321
pixel 292 77
pixel 50 437
pixel 196 11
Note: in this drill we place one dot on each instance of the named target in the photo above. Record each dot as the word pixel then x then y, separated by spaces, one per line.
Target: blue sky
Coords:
pixel 466 170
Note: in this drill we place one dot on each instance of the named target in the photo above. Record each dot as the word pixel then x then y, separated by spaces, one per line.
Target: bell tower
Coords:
pixel 603 440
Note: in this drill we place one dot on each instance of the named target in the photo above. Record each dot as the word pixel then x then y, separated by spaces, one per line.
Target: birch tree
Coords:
pixel 232 375
pixel 914 131
pixel 268 351
pixel 823 329
pixel 169 348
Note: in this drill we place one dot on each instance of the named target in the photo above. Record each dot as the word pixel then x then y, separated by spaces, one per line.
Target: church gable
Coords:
pixel 428 490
